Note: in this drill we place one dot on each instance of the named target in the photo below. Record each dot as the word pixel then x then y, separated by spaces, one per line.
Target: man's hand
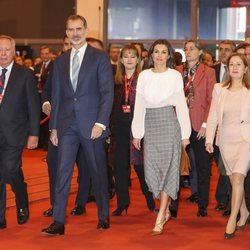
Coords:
pixel 32 142
pixel 137 143
pixel 96 132
pixel 46 108
pixel 201 133
pixel 53 137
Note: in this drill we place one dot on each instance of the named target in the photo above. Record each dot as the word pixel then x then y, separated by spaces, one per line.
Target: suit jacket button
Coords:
pixel 75 99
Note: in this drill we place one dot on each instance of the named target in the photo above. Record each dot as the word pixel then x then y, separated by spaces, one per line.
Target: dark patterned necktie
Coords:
pixel 2 80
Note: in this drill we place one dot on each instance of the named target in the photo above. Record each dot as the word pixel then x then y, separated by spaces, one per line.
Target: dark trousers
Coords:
pixel 11 173
pixel 122 168
pixel 83 178
pixel 222 191
pixel 94 154
pixel 193 171
pixel 247 190
pixel 203 167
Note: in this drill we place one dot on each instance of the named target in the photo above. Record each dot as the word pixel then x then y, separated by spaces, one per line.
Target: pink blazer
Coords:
pixel 203 82
pixel 216 114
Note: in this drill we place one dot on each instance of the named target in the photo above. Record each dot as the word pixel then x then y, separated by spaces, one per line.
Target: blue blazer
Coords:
pixel 91 102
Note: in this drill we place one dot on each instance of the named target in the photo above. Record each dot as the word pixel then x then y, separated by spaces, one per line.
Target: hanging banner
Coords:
pixel 240 3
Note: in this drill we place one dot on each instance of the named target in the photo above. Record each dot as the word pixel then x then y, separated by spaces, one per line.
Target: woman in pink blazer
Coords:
pixel 230 112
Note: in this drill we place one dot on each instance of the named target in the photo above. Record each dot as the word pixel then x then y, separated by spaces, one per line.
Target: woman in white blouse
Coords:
pixel 161 117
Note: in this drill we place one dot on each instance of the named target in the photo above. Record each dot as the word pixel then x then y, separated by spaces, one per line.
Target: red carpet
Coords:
pixel 131 231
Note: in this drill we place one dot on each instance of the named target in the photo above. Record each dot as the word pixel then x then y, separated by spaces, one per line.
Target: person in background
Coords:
pixel 19 116
pixel 230 113
pixel 208 59
pixel 240 48
pixel 114 52
pixel 37 60
pixel 247 54
pixel 178 58
pixel 125 153
pixel 223 189
pixel 145 58
pixel 163 127
pixel 28 63
pixel 95 43
pixel 18 60
pixel 199 81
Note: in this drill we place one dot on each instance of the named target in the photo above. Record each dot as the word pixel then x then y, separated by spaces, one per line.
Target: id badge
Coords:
pixel 126 108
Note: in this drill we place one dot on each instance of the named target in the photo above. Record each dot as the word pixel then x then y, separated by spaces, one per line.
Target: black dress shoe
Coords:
pixel 22 215
pixel 173 213
pixel 226 212
pixel 3 224
pixel 56 228
pixel 220 207
pixel 193 198
pixel 103 224
pixel 48 212
pixel 202 212
pixel 78 210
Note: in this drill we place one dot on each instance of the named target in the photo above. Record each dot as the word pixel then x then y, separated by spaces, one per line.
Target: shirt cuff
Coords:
pixel 101 125
pixel 204 125
pixel 47 102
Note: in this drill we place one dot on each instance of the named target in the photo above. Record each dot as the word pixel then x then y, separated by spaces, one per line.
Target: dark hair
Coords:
pixel 120 72
pixel 170 61
pixel 231 43
pixel 92 39
pixel 240 46
pixel 77 17
pixel 246 76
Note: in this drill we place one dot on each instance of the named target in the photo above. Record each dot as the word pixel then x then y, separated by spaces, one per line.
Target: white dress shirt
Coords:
pixel 155 90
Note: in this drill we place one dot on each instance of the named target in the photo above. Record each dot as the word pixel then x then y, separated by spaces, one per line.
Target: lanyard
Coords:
pixel 190 79
pixel 127 85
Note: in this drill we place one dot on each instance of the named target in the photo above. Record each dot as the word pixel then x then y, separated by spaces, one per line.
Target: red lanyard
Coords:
pixel 188 83
pixel 127 85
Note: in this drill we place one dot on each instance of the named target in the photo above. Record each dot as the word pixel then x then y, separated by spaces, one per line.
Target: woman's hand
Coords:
pixel 202 133
pixel 185 142
pixel 210 148
pixel 137 143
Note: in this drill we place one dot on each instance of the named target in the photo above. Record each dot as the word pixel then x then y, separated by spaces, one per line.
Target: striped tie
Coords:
pixel 2 80
pixel 75 69
pixel 224 78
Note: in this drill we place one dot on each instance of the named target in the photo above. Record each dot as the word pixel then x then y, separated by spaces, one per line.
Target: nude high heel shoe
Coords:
pixel 158 229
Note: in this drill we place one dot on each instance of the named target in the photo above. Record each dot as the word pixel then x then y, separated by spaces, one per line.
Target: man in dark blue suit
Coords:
pixel 82 98
pixel 52 162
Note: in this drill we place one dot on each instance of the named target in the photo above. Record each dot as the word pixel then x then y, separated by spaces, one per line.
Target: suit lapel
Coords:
pixel 224 93
pixel 12 80
pixel 244 103
pixel 67 68
pixel 83 72
pixel 198 75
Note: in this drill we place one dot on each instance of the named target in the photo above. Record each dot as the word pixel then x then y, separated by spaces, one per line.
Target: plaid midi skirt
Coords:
pixel 162 151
